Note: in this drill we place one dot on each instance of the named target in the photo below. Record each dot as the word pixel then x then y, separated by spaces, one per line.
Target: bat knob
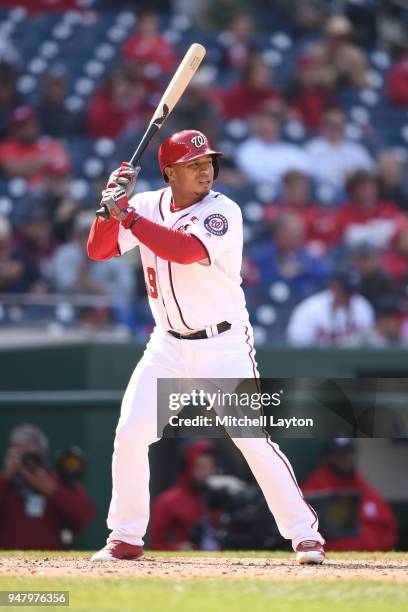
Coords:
pixel 103 213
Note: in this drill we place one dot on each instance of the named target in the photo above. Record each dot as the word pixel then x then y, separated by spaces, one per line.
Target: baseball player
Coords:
pixel 190 239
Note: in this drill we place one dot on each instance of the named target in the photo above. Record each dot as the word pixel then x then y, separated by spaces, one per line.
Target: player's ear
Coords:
pixel 169 172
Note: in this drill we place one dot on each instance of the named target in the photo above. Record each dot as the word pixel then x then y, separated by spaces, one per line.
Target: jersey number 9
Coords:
pixel 151 285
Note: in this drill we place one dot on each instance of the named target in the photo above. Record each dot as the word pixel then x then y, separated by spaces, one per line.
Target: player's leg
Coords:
pixel 235 358
pixel 137 428
pixel 296 520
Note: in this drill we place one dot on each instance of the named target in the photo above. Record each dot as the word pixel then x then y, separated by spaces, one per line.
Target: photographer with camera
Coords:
pixel 209 510
pixel 36 504
pixel 181 518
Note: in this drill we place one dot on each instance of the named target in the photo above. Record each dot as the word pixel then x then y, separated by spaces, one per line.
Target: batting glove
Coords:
pixel 115 200
pixel 124 176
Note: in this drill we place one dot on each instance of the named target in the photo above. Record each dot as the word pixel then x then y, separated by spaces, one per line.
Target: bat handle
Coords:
pixel 103 213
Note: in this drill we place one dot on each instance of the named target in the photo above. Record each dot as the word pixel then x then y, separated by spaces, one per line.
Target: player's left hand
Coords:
pixel 116 202
pixel 125 176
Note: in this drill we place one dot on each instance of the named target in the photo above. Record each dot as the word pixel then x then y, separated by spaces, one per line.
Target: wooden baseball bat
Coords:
pixel 175 89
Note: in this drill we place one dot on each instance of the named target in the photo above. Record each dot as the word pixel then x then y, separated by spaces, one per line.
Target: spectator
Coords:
pixel 73 272
pixel 333 157
pixel 56 119
pixel 8 95
pixel 365 218
pixel 343 63
pixel 333 316
pixel 305 16
pixel 122 100
pixel 8 51
pixel 390 169
pixel 192 11
pixel 27 154
pixel 245 98
pixel 35 237
pixel 18 272
pixel 374 282
pixel 218 14
pixel 147 46
pixel 180 517
pixel 264 157
pixel 35 503
pixel 387 330
pixel 285 259
pixel 395 258
pixel 404 321
pixel 308 98
pixel 319 220
pixel 62 205
pixel 237 41
pixel 397 84
pixel 337 476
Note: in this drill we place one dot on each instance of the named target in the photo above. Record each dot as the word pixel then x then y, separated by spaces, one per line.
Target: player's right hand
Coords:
pixel 125 176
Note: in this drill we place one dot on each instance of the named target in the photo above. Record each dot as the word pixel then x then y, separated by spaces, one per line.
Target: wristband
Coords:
pixel 131 218
pixel 137 217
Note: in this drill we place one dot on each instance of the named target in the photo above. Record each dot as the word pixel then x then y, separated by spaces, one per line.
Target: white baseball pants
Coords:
pixel 227 355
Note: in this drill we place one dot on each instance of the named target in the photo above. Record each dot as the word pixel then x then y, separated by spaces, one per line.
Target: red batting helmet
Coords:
pixel 185 146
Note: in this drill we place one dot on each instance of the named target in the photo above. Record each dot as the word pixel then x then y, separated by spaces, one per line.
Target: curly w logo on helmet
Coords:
pixel 199 140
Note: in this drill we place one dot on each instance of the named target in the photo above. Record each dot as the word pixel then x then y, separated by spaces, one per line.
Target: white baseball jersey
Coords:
pixel 188 298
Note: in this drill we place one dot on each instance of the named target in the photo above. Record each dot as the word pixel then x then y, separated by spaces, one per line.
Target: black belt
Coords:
pixel 208 332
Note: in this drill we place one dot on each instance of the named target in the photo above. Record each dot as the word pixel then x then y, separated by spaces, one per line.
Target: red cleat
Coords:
pixel 115 550
pixel 310 552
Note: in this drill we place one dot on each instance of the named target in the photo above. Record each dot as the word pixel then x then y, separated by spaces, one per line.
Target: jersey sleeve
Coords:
pixel 218 228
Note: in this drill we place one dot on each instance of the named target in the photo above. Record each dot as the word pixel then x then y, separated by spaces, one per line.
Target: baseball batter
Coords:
pixel 190 239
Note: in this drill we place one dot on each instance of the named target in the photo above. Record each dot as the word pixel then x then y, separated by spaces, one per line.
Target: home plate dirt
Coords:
pixel 206 567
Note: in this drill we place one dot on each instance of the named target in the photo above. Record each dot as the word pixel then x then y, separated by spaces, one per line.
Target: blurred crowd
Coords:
pixel 209 509
pixel 313 136
pixel 41 508
pixel 44 504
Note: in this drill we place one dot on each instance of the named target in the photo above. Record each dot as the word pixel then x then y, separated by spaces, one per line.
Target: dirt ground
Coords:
pixel 200 567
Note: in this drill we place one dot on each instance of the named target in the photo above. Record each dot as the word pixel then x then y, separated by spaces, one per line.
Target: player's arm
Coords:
pixel 171 245
pixel 103 240
pixel 168 244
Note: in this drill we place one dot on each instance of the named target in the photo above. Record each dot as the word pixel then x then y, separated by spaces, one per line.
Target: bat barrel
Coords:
pixel 174 91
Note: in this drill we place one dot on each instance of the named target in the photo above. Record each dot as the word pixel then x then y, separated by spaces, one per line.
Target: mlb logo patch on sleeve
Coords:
pixel 216 224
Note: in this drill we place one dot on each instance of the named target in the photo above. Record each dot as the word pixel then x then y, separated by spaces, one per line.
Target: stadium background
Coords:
pixel 66 350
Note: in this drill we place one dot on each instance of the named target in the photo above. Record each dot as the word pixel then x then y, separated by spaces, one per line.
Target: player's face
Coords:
pixel 195 177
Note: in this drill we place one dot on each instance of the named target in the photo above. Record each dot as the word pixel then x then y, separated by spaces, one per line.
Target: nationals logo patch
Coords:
pixel 216 224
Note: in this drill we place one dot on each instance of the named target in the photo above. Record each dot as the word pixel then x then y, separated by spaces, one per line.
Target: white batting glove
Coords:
pixel 125 177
